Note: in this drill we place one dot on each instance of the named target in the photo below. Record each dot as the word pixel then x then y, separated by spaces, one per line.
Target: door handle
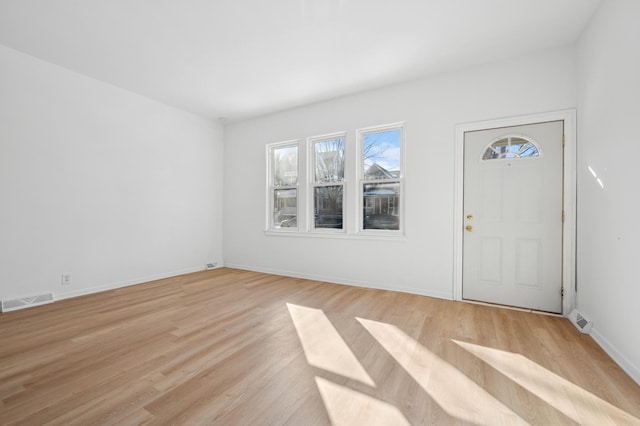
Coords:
pixel 469 228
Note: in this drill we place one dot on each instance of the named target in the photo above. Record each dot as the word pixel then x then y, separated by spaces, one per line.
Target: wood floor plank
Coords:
pixel 222 347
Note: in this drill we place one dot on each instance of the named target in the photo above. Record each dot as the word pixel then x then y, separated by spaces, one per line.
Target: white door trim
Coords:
pixel 569 195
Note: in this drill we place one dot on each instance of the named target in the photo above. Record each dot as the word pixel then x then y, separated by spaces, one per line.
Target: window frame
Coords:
pixel 272 188
pixel 360 136
pixel 312 184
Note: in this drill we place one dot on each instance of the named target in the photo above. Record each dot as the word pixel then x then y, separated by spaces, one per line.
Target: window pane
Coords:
pixel 285 166
pixel 511 147
pixel 381 154
pixel 329 159
pixel 328 206
pixel 285 208
pixel 381 206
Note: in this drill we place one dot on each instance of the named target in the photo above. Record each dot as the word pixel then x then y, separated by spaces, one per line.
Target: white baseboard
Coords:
pixel 125 283
pixel 343 281
pixel 632 370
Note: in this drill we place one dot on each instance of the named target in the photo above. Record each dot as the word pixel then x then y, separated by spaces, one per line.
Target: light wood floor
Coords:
pixel 233 347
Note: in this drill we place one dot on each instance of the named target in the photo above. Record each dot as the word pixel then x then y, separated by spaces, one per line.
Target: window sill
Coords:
pixel 338 235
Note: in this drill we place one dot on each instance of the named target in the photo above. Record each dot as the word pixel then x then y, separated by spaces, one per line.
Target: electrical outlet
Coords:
pixel 66 279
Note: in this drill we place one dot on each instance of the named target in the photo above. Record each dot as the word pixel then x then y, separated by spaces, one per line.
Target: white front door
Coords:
pixel 512 245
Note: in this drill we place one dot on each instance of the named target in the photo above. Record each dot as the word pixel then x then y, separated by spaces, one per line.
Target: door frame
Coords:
pixel 568 116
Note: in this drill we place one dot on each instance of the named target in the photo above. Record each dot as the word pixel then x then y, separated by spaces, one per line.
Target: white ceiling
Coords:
pixel 242 58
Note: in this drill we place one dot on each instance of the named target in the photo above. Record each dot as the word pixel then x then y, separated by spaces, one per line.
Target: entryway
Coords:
pixel 512 205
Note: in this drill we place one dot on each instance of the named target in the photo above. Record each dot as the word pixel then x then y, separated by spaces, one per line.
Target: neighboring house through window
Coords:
pixel 283 185
pixel 327 181
pixel 380 151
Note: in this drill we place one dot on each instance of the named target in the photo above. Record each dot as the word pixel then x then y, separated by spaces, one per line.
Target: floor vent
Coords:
pixel 581 323
pixel 26 302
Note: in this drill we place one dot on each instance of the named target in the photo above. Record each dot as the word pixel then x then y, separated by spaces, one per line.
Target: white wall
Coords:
pixel 609 142
pixel 423 262
pixel 101 183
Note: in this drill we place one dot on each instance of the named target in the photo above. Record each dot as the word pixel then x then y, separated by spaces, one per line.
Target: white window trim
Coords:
pixel 360 133
pixel 269 225
pixel 311 183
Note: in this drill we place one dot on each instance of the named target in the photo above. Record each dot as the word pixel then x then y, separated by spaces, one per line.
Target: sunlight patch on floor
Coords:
pixel 458 395
pixel 349 407
pixel 323 346
pixel 571 400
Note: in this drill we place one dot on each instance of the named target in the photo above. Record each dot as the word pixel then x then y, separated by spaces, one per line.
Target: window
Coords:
pixel 283 185
pixel 327 181
pixel 308 191
pixel 380 153
pixel 511 146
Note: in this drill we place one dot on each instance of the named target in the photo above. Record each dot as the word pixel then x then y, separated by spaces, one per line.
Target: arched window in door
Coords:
pixel 511 146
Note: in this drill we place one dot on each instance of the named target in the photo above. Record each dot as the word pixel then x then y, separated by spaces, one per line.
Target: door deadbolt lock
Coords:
pixel 469 216
pixel 469 228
